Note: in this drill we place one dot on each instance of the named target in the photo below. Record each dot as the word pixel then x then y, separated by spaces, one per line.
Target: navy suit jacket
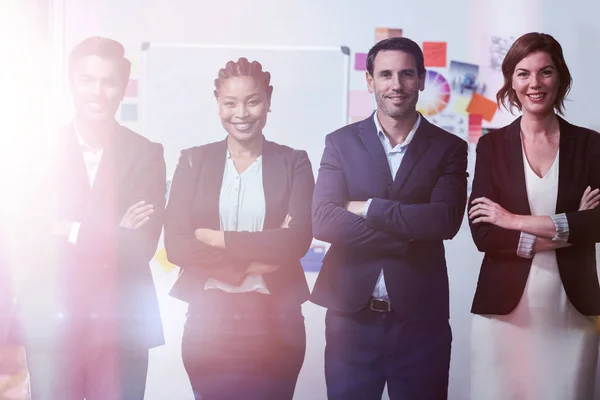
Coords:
pixel 103 280
pixel 408 219
pixel 500 176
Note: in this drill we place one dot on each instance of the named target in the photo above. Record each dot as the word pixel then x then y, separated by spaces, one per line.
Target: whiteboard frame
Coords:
pixel 148 45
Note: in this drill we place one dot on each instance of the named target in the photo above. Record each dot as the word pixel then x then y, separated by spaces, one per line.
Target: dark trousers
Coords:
pixel 367 349
pixel 93 373
pixel 83 360
pixel 243 346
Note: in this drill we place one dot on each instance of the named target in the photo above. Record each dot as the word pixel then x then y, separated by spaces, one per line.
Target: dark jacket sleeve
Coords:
pixel 440 219
pixel 132 244
pixel 488 237
pixel 334 224
pixel 281 244
pixel 584 226
pixel 183 249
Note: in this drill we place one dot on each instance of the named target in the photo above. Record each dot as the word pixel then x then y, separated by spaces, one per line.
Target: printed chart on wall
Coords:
pixel 178 107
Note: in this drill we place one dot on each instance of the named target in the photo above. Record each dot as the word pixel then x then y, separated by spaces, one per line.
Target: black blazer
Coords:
pixel 105 276
pixel 500 176
pixel 194 203
pixel 409 217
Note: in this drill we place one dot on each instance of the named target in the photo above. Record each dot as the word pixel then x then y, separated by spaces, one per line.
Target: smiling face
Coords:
pixel 98 87
pixel 243 106
pixel 396 83
pixel 535 82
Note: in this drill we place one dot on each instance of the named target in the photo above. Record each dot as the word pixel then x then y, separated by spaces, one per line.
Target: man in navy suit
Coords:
pixel 390 190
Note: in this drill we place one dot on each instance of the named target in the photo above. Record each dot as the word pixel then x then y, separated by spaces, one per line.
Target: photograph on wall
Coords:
pixel 464 78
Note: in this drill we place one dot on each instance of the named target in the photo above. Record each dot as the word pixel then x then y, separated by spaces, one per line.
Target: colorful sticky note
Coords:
pixel 132 88
pixel 435 54
pixel 161 258
pixel 475 127
pixel 460 105
pixel 386 33
pixel 129 112
pixel 360 61
pixel 482 106
pixel 360 103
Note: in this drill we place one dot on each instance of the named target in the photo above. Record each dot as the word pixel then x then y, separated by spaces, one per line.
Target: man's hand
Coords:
pixel 286 221
pixel 137 215
pixel 356 207
pixel 211 237
pixel 261 268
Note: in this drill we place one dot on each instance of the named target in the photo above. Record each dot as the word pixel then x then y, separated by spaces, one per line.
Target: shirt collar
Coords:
pixel 409 137
pixel 82 144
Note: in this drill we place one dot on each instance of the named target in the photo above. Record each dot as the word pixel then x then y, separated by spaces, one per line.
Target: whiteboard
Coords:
pixel 179 110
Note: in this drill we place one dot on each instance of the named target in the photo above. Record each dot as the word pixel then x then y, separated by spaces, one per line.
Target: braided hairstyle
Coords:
pixel 243 67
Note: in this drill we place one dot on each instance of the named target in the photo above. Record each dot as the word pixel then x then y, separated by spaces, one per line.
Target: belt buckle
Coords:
pixel 380 305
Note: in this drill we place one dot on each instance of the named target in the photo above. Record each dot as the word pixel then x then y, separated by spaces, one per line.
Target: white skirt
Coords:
pixel 544 350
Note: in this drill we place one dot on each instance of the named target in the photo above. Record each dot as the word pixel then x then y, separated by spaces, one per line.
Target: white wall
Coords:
pixel 464 24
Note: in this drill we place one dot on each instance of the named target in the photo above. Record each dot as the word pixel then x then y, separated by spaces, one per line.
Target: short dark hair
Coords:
pixel 243 67
pixel 525 45
pixel 105 48
pixel 398 44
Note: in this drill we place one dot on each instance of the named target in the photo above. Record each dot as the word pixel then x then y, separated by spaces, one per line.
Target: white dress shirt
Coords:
pixel 394 157
pixel 92 159
pixel 242 208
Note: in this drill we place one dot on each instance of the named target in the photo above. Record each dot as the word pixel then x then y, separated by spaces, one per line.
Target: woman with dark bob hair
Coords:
pixel 533 213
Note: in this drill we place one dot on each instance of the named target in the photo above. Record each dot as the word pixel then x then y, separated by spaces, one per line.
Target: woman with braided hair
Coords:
pixel 238 221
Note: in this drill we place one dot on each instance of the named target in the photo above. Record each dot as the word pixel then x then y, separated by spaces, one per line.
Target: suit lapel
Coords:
pixel 415 150
pixel 275 184
pixel 516 166
pixel 211 178
pixel 369 136
pixel 72 178
pixel 565 165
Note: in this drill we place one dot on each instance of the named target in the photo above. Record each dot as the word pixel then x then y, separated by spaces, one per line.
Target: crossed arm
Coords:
pixel 497 230
pixel 388 225
pixel 139 228
pixel 229 255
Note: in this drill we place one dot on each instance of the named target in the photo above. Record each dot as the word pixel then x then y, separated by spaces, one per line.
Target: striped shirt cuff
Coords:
pixel 525 246
pixel 562 227
pixel 366 209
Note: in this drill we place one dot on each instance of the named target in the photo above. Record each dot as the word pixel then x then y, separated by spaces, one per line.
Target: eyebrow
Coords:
pixel 235 98
pixel 402 70
pixel 546 67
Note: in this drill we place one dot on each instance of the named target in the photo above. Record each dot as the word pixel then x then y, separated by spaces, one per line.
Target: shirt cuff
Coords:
pixel 562 228
pixel 525 246
pixel 366 209
pixel 74 232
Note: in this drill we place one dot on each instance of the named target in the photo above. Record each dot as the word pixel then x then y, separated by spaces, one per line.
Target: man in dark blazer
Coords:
pixel 88 309
pixel 390 189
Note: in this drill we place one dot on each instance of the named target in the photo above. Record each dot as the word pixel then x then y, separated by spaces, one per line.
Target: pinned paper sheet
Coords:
pixel 132 88
pixel 482 106
pixel 435 54
pixel 360 61
pixel 460 105
pixel 463 78
pixel 360 103
pixel 475 128
pixel 161 258
pixel 386 33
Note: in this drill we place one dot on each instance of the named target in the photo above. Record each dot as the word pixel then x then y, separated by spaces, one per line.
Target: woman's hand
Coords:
pixel 485 210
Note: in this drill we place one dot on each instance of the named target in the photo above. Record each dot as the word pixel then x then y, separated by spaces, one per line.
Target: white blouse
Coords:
pixel 241 208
